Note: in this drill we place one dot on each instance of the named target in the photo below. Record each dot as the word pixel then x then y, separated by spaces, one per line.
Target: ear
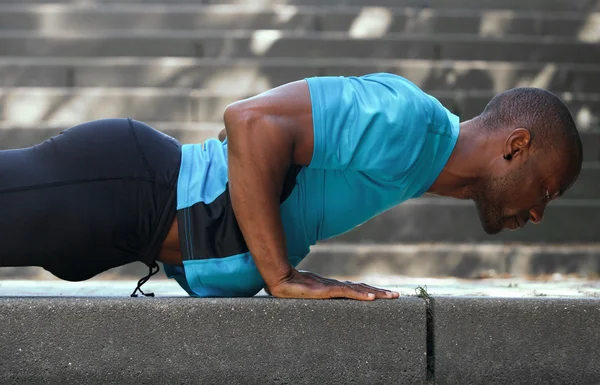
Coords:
pixel 517 145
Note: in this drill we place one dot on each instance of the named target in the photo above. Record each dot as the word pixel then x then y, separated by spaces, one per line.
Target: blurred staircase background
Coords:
pixel 176 64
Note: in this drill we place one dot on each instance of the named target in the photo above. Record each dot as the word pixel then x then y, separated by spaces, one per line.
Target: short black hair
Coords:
pixel 541 112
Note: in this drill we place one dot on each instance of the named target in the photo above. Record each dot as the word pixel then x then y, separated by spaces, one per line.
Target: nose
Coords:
pixel 536 214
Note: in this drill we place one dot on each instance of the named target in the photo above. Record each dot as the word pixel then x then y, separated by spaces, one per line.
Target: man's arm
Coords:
pixel 266 135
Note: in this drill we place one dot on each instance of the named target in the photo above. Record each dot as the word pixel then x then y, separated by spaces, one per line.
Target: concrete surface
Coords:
pixel 264 73
pixel 549 5
pixel 475 332
pixel 454 260
pixel 519 341
pixel 241 44
pixel 225 341
pixel 565 221
pixel 102 17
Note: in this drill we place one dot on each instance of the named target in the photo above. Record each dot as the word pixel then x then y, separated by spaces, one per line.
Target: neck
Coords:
pixel 465 166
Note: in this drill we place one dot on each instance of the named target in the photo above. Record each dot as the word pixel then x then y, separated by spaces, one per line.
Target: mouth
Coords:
pixel 515 224
pixel 511 224
pixel 524 222
pixel 520 222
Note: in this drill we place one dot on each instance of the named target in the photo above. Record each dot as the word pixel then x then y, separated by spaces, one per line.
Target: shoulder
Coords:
pixel 381 82
pixel 378 91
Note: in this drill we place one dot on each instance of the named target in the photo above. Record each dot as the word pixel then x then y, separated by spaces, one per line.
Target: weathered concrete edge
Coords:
pixel 273 341
pixel 529 341
pixel 216 341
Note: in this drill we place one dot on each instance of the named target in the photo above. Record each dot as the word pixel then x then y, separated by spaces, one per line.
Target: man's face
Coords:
pixel 518 195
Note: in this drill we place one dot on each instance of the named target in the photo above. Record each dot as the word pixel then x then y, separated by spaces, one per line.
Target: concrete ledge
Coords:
pixel 101 17
pixel 458 222
pixel 548 5
pixel 455 260
pixel 300 45
pixel 462 340
pixel 224 341
pixel 517 341
pixel 256 75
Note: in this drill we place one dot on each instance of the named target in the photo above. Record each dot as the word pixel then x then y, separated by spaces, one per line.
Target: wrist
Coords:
pixel 282 275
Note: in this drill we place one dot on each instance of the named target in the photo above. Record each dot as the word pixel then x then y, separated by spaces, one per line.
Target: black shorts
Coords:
pixel 99 195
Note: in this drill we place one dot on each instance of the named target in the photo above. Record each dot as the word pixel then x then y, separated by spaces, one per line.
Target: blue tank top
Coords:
pixel 378 141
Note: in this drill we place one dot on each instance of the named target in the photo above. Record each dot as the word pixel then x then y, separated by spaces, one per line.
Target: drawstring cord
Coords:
pixel 144 280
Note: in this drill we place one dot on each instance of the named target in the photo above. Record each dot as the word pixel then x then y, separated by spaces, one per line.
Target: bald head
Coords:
pixel 543 114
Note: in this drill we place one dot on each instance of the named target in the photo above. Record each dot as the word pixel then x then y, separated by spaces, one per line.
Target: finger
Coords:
pixel 368 286
pixel 379 293
pixel 389 293
pixel 347 291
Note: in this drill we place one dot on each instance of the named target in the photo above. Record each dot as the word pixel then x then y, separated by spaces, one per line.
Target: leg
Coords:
pixel 86 200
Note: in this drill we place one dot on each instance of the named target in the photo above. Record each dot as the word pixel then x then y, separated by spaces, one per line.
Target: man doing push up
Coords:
pixel 297 164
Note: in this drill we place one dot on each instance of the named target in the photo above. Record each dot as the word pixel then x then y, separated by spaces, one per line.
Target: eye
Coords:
pixel 548 197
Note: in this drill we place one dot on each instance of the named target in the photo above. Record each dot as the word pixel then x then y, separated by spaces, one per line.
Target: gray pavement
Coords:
pixel 526 341
pixel 496 331
pixel 209 341
pixel 548 5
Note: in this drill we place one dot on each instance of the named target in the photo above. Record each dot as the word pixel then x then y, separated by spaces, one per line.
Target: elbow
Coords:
pixel 237 118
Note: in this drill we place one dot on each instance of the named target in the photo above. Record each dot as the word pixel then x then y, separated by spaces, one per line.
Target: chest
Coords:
pixel 350 198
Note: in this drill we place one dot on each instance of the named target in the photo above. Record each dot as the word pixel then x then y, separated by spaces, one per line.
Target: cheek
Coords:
pixel 521 196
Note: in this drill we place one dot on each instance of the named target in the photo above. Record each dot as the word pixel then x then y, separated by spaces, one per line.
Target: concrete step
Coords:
pixel 436 339
pixel 515 341
pixel 444 260
pixel 260 74
pixel 67 106
pixel 548 5
pixel 225 341
pixel 298 44
pixel 358 21
pixel 467 260
pixel 587 185
pixel 449 220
